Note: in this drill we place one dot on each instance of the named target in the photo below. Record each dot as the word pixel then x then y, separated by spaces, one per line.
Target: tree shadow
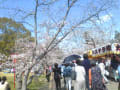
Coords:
pixel 66 89
pixel 112 79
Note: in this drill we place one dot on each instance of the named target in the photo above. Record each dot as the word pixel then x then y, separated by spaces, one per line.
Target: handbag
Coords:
pixel 73 74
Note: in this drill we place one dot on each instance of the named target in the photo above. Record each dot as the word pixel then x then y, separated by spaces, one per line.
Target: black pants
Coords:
pixel 87 81
pixel 58 83
pixel 119 86
pixel 48 78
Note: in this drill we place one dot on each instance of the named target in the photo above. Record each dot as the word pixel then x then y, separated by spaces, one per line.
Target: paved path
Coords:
pixel 112 85
pixel 51 85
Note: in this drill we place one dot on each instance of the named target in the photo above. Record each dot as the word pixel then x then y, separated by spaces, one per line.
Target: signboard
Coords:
pixel 105 50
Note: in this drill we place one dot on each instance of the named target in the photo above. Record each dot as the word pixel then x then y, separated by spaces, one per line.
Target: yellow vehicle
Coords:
pixel 105 50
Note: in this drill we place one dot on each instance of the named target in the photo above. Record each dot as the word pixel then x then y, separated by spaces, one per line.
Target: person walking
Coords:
pixel 86 64
pixel 57 76
pixel 0 81
pixel 96 80
pixel 48 73
pixel 73 74
pixel 102 68
pixel 62 72
pixel 118 69
pixel 67 74
pixel 119 76
pixel 114 65
pixel 4 84
pixel 80 83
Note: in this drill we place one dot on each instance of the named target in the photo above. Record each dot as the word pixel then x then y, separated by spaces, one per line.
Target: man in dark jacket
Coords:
pixel 48 73
pixel 57 76
pixel 86 64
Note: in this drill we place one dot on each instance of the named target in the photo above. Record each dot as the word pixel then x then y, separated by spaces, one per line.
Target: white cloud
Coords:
pixel 105 18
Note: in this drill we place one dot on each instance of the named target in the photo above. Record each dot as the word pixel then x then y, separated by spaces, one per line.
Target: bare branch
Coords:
pixel 26 23
pixel 47 3
pixel 75 26
pixel 14 9
pixel 62 24
pixel 30 14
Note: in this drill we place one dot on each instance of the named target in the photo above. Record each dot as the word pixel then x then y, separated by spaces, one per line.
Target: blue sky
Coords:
pixel 29 5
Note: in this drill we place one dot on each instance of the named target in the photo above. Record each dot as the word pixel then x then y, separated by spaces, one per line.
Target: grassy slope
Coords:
pixel 36 83
pixel 10 79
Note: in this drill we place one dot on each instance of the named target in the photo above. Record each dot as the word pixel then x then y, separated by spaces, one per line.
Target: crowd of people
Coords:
pixel 4 84
pixel 83 74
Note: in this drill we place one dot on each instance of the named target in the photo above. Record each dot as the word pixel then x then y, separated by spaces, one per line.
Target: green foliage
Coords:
pixel 9 32
pixel 32 39
pixel 37 84
pixel 10 79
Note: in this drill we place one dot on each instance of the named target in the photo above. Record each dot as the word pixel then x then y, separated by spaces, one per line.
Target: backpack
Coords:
pixel 73 74
pixel 67 71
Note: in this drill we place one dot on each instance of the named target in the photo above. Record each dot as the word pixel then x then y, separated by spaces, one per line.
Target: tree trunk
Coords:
pixel 24 83
pixel 18 82
pixel 25 79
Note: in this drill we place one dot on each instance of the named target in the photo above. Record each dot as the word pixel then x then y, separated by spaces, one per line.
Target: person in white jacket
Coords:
pixel 103 71
pixel 80 83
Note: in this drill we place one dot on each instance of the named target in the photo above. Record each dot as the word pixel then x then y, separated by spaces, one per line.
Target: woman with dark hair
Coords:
pixel 57 76
pixel 4 84
pixel 96 80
